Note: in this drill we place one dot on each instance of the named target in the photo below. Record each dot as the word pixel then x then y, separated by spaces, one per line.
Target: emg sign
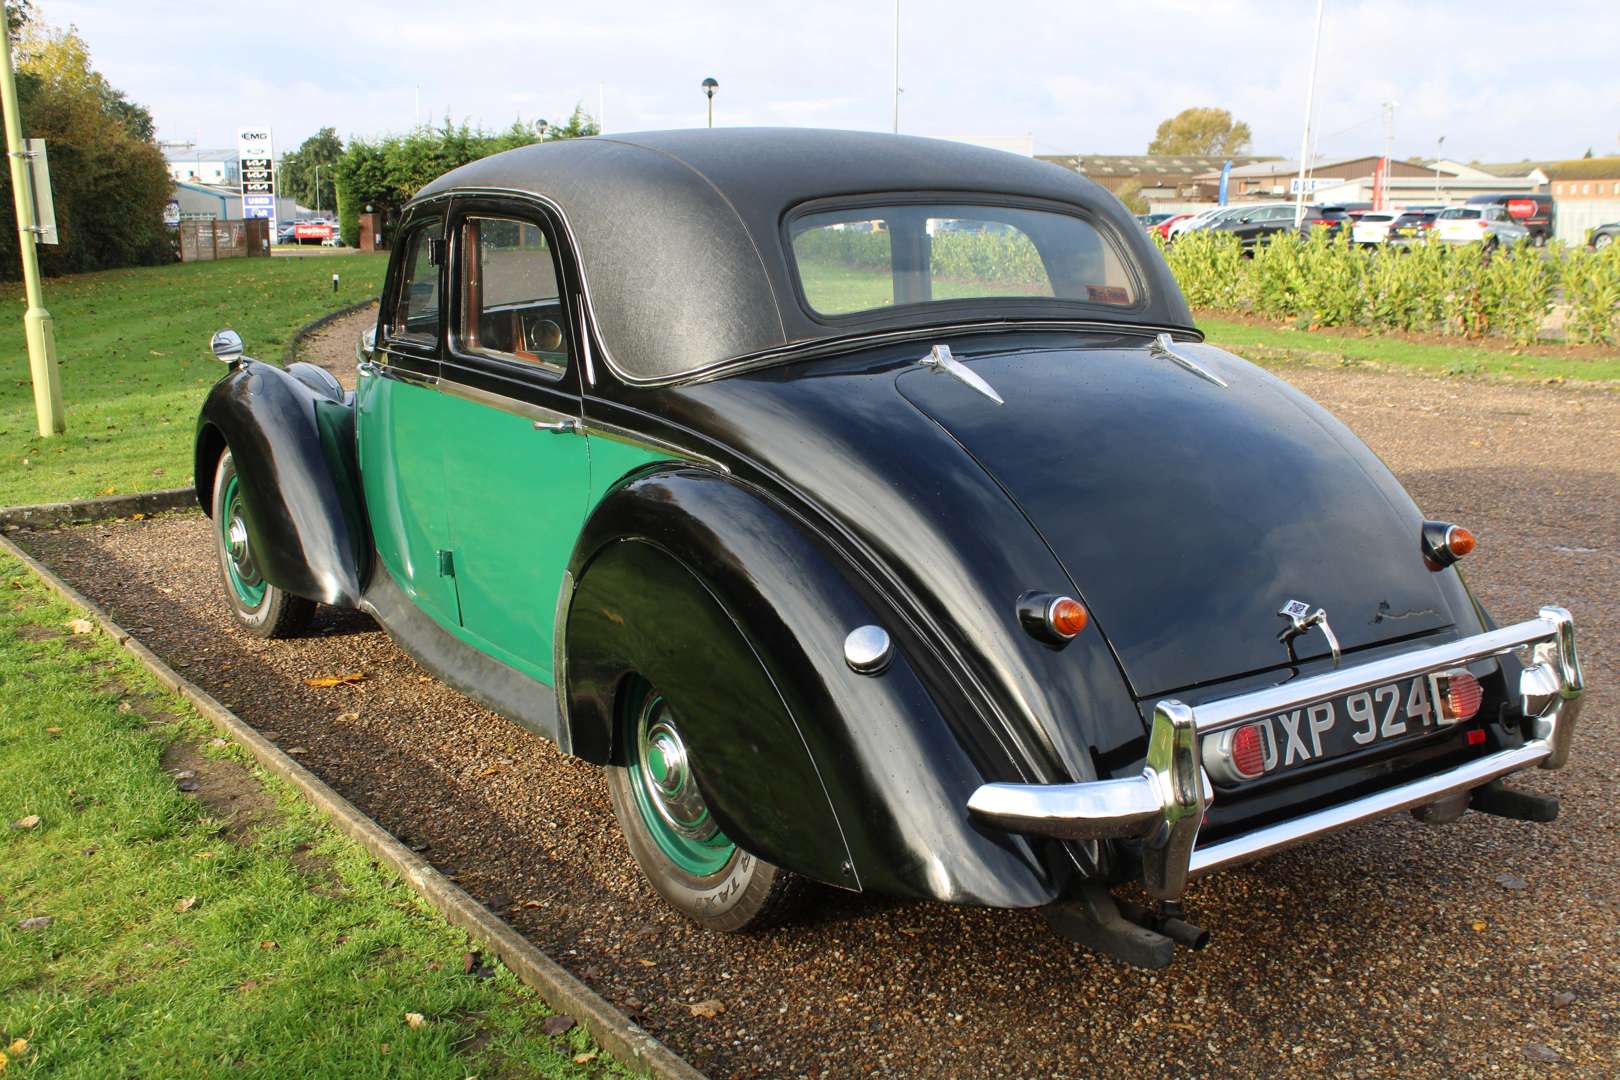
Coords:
pixel 256 160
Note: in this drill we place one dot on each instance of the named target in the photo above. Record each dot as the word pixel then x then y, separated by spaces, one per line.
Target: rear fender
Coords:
pixel 293 444
pixel 738 616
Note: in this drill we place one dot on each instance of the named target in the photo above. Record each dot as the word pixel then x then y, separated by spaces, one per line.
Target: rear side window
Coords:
pixel 872 258
pixel 511 305
pixel 416 301
pixel 1454 213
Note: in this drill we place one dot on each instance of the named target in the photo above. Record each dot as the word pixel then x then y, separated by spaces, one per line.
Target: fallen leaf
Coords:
pixel 29 822
pixel 217 743
pixel 38 922
pixel 186 774
pixel 347 717
pixel 205 855
pixel 18 1047
pixel 1541 1052
pixel 556 1025
pixel 584 1059
pixel 709 1009
pixel 491 771
pixel 382 1048
pixel 324 681
pixel 415 1020
pixel 1478 926
pixel 53 731
pixel 1563 1000
pixel 297 750
pixel 137 517
pixel 267 945
pixel 247 984
pixel 81 626
pixel 645 962
pixel 185 905
pixel 1512 882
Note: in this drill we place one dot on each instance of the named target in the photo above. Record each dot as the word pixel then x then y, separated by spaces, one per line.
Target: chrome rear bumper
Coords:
pixel 1164 806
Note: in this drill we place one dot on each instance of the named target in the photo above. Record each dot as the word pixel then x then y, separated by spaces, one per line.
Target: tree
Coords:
pixel 1201 131
pixel 298 169
pixel 109 181
pixel 580 125
pixel 384 173
pixel 1130 193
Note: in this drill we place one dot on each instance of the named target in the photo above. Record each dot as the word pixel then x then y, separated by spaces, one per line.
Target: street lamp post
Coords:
pixel 317 189
pixel 1439 152
pixel 709 87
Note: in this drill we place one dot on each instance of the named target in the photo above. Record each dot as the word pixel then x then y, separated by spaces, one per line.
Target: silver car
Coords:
pixel 1488 224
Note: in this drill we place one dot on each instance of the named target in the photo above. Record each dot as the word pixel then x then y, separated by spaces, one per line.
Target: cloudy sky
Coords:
pixel 1501 81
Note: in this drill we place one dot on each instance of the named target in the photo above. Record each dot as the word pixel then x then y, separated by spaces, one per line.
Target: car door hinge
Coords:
pixel 447 563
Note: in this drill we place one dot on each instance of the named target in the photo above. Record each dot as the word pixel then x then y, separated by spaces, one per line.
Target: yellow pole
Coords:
pixel 36 320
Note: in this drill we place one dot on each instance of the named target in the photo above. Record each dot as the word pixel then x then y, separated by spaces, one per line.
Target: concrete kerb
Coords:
pixel 46 515
pixel 625 1040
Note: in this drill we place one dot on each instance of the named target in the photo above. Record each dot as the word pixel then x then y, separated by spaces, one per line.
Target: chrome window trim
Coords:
pixel 603 430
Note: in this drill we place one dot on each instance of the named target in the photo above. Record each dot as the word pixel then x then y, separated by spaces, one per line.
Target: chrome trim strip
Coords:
pixel 538 413
pixel 405 375
pixel 602 430
pixel 1284 834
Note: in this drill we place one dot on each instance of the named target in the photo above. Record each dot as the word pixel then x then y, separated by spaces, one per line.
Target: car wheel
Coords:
pixel 258 606
pixel 1603 241
pixel 670 833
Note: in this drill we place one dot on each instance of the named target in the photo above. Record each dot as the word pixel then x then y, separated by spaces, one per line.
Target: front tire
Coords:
pixel 257 606
pixel 666 824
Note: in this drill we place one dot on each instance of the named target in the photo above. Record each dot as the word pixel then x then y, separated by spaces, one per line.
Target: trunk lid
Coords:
pixel 1187 514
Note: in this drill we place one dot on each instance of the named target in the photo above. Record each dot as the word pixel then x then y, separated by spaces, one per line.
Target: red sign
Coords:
pixel 312 232
pixel 1521 208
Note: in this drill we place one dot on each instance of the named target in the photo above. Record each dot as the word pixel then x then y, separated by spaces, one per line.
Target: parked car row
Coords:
pixel 1488 219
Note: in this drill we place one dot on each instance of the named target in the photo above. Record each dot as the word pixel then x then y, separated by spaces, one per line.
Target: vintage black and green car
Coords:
pixel 871 508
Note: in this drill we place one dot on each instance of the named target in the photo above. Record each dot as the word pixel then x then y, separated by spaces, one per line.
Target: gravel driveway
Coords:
pixel 1484 948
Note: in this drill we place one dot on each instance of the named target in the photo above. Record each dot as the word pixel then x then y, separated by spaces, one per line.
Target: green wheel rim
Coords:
pixel 246 581
pixel 665 790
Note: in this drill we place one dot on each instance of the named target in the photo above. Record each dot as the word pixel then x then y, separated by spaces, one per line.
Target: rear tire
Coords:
pixel 257 606
pixel 667 826
pixel 1602 241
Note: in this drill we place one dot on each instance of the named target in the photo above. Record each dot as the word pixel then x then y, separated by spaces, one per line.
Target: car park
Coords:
pixel 1203 219
pixel 1488 224
pixel 1254 223
pixel 1162 229
pixel 648 457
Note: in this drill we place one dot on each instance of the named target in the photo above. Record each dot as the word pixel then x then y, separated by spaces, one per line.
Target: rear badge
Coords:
pixel 1300 619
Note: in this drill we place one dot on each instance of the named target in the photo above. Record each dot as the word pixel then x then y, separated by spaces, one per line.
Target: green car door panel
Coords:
pixel 517 494
pixel 708 590
pixel 401 451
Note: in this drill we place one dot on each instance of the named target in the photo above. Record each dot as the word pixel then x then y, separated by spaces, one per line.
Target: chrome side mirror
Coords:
pixel 227 345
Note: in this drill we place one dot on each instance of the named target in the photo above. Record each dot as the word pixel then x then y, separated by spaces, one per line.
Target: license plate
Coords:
pixel 1349 723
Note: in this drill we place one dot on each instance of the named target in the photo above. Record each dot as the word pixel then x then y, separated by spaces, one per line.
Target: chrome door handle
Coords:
pixel 558 427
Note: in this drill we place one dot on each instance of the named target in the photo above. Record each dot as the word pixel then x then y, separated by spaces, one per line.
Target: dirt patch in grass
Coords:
pixel 232 795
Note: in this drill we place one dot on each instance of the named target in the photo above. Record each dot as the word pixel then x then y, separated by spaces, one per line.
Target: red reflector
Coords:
pixel 1463 695
pixel 1476 737
pixel 1249 751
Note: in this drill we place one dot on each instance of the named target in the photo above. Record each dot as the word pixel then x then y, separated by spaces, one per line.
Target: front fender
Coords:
pixel 738 614
pixel 294 454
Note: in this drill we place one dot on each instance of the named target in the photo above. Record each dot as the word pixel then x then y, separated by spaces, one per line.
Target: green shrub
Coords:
pixel 1591 282
pixel 1209 266
pixel 1518 288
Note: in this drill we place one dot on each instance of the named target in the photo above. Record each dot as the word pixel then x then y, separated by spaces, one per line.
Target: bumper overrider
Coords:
pixel 1164 806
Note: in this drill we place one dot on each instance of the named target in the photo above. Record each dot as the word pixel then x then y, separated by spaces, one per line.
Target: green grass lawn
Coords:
pixel 179 946
pixel 133 347
pixel 1280 343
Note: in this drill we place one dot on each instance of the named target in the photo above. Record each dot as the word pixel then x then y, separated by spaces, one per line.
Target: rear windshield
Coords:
pixel 876 257
pixel 1455 212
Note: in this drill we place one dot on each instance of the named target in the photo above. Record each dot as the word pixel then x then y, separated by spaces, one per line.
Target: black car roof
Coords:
pixel 679 233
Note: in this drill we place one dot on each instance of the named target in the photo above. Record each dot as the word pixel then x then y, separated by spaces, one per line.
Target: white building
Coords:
pixel 201 165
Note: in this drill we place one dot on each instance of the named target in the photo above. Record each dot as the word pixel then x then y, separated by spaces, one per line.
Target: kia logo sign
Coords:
pixel 1521 208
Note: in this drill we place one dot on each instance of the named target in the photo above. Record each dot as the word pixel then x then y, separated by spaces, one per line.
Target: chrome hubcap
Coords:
pixel 667 774
pixel 237 532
